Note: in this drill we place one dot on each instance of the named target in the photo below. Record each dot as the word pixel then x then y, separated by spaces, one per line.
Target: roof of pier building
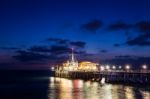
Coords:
pixel 86 65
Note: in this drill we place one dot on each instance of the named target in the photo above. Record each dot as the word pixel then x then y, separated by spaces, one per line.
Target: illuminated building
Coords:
pixel 73 65
pixel 70 65
pixel 87 66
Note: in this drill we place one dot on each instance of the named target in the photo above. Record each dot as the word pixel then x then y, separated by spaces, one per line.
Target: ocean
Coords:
pixel 42 85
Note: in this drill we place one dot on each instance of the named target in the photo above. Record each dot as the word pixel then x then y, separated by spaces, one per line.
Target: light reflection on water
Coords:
pixel 61 88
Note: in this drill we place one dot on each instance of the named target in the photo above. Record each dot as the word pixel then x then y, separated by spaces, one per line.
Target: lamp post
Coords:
pixel 107 67
pixel 120 67
pixel 144 68
pixel 114 67
pixel 127 67
pixel 102 68
pixel 52 68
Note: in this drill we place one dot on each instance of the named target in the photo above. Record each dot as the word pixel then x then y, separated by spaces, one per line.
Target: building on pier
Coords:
pixel 69 65
pixel 87 66
pixel 73 65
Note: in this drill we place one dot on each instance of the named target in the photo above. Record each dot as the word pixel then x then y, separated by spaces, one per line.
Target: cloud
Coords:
pixel 119 26
pixel 140 40
pixel 58 49
pixel 54 54
pixel 117 45
pixel 29 56
pixel 66 42
pixel 92 26
pixel 123 56
pixel 58 40
pixel 143 26
pixel 57 52
pixel 39 49
pixel 79 44
pixel 9 48
pixel 103 51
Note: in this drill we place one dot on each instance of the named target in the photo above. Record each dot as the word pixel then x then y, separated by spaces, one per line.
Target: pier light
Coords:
pixel 107 67
pixel 52 68
pixel 120 67
pixel 144 67
pixel 113 67
pixel 127 67
pixel 102 68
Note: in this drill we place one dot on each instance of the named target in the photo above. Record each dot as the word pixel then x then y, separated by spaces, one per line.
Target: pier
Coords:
pixel 137 77
pixel 110 74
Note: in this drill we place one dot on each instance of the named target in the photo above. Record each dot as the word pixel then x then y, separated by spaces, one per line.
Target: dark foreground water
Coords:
pixel 40 85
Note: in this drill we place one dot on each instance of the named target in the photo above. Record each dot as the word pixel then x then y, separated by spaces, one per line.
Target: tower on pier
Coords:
pixel 71 64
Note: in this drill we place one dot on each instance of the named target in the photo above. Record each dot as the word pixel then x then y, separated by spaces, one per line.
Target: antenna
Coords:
pixel 72 55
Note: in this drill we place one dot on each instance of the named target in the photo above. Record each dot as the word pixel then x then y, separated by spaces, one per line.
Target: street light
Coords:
pixel 52 68
pixel 120 67
pixel 127 67
pixel 144 67
pixel 107 67
pixel 102 68
pixel 114 67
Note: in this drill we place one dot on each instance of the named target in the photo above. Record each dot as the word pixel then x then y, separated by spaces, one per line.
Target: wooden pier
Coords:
pixel 137 77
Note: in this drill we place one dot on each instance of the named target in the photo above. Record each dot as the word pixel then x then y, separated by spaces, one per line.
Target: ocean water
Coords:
pixel 41 85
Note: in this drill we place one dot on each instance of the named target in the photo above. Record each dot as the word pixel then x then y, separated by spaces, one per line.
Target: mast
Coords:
pixel 72 55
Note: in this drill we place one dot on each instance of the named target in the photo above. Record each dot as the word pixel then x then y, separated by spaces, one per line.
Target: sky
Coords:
pixel 36 34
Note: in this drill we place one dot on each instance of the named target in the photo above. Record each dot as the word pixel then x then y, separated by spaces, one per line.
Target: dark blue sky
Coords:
pixel 34 31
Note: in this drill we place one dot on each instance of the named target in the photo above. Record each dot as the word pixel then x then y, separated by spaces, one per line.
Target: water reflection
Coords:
pixel 61 88
pixel 146 95
pixel 129 93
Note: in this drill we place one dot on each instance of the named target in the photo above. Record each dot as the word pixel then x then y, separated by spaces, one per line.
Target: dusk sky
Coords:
pixel 35 34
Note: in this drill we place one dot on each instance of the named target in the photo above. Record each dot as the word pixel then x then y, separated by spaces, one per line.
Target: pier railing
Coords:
pixel 123 76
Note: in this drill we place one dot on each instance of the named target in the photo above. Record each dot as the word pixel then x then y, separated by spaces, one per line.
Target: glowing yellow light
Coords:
pixel 87 66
